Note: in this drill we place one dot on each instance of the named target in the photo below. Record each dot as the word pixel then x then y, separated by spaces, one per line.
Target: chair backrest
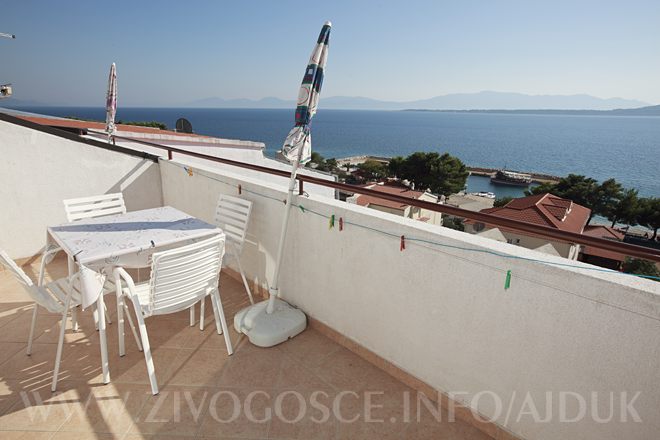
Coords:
pixel 180 277
pixel 94 206
pixel 232 216
pixel 37 293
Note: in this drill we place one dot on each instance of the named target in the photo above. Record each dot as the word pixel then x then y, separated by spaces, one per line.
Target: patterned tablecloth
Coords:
pixel 127 240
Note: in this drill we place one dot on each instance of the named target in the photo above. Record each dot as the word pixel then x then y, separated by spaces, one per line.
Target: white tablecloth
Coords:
pixel 128 240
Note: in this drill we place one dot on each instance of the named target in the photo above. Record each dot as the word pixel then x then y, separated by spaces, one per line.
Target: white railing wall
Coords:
pixel 442 314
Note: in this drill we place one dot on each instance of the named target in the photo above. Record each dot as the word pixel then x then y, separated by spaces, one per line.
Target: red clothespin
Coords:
pixel 240 189
pixel 341 224
pixel 403 243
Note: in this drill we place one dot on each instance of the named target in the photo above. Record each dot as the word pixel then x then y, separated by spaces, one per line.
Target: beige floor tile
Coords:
pixel 40 410
pixel 19 328
pixel 111 408
pixel 63 435
pixel 232 413
pixel 25 435
pixel 174 411
pixel 199 367
pixel 303 415
pixel 252 367
pixel 310 348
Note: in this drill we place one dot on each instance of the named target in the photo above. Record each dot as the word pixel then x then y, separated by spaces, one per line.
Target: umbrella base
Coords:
pixel 266 330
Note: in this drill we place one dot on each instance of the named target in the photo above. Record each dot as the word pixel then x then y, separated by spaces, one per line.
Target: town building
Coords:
pixel 602 257
pixel 396 208
pixel 544 210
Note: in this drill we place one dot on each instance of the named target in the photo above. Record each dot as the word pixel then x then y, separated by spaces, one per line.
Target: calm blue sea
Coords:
pixel 626 148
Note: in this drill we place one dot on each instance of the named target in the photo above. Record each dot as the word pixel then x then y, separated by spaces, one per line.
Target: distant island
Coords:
pixel 653 110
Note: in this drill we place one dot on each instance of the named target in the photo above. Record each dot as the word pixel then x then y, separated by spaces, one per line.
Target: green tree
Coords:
pixel 649 214
pixel 626 210
pixel 372 169
pixel 441 174
pixel 453 223
pixel 501 201
pixel 640 267
pixel 318 162
pixel 607 198
pixel 394 166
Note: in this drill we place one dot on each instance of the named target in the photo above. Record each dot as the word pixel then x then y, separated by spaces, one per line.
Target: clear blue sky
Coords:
pixel 169 53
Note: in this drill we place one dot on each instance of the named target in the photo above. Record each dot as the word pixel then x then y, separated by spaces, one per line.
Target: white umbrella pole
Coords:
pixel 273 290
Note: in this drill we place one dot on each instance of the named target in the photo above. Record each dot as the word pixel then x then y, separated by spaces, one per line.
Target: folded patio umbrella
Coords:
pixel 298 144
pixel 111 103
pixel 273 321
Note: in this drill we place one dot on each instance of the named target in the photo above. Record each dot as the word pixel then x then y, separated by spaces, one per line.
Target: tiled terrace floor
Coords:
pixel 203 392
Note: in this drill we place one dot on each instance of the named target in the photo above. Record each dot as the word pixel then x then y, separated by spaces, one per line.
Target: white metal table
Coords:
pixel 100 244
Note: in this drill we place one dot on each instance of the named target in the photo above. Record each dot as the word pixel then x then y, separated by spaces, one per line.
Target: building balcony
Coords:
pixel 415 331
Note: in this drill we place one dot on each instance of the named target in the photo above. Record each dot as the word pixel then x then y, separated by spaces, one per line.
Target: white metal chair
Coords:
pixel 91 207
pixel 180 278
pixel 94 206
pixel 59 296
pixel 232 215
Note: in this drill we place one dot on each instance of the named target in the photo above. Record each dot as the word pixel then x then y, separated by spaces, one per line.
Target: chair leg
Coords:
pixel 202 303
pixel 74 319
pixel 120 320
pixel 107 315
pixel 60 342
pixel 95 314
pixel 220 316
pixel 35 312
pixel 245 283
pixel 130 323
pixel 147 351
pixel 192 315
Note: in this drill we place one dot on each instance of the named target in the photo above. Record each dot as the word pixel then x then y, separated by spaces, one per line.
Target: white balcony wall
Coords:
pixel 442 313
pixel 40 170
pixel 241 151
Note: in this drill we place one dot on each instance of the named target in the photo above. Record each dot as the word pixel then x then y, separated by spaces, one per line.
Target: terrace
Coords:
pixel 390 318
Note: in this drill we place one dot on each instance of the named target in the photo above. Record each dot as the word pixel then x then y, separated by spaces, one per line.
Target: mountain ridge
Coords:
pixel 485 100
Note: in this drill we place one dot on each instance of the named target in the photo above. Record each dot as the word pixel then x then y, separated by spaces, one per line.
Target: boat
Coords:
pixel 505 177
pixel 488 195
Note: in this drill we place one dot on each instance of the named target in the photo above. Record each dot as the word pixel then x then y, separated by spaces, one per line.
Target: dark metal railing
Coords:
pixel 542 231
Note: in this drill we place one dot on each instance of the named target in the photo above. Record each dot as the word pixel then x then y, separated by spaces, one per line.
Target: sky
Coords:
pixel 171 53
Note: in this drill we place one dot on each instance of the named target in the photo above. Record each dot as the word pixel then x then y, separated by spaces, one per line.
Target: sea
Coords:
pixel 626 148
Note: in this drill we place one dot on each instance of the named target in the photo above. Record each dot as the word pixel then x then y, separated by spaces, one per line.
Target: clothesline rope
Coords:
pixel 398 236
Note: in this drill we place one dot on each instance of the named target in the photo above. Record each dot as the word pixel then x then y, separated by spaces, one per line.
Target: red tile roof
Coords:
pixel 545 210
pixel 602 231
pixel 100 126
pixel 398 190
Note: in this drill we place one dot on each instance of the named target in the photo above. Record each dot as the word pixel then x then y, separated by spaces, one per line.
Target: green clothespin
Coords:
pixel 331 223
pixel 302 208
pixel 507 281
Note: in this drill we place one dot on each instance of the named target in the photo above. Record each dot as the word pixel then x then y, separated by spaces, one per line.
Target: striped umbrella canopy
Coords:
pixel 111 102
pixel 298 144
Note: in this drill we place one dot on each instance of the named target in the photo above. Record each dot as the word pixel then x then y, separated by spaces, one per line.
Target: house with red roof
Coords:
pixel 544 210
pixel 601 257
pixel 396 208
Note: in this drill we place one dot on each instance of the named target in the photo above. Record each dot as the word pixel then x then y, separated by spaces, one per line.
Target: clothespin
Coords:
pixel 302 208
pixel 240 189
pixel 507 280
pixel 341 224
pixel 403 243
pixel 331 222
pixel 189 170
